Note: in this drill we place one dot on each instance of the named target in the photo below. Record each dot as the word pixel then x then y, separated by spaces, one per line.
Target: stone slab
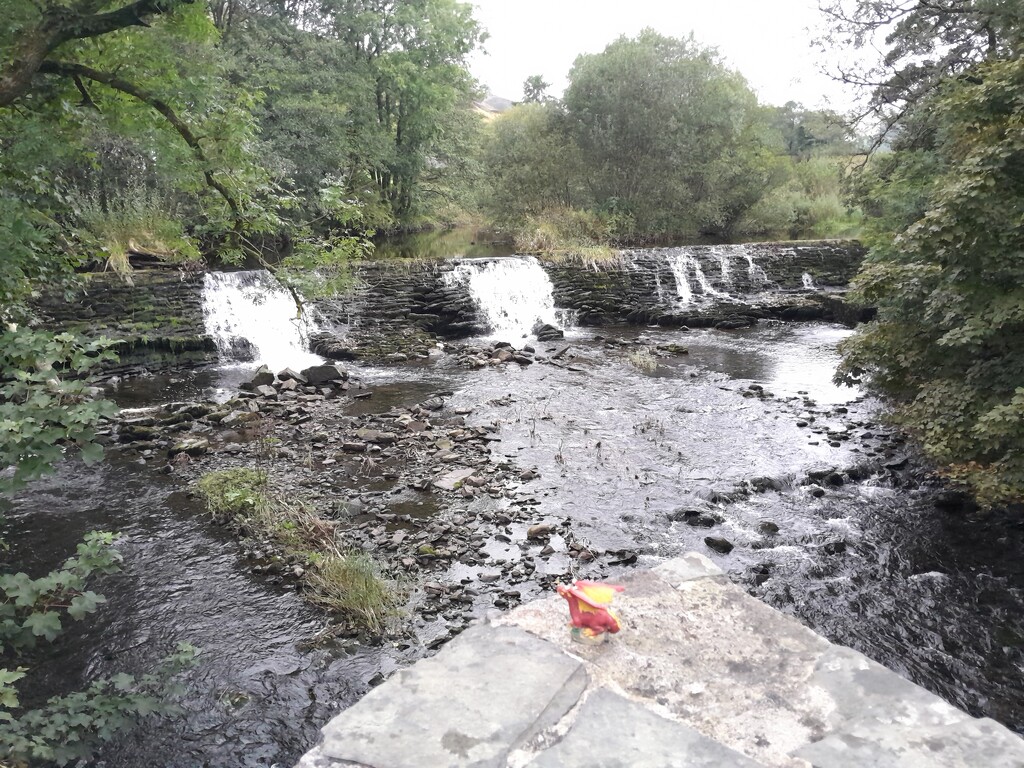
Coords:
pixel 882 720
pixel 613 732
pixel 485 693
pixel 690 566
pixel 710 656
pixel 449 481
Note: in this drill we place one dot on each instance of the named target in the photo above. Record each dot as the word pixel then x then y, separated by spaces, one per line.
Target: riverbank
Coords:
pixel 700 675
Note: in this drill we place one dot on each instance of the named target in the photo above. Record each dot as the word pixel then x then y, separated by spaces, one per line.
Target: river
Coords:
pixel 634 457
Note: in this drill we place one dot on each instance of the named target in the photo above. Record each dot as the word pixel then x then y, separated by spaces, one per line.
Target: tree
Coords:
pixel 668 134
pixel 531 164
pixel 926 44
pixel 945 269
pixel 535 90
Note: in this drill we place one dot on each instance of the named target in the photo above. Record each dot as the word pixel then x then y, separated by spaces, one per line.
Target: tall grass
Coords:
pixel 137 220
pixel 350 584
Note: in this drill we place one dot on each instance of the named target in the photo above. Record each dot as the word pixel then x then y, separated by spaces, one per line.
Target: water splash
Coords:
pixel 513 295
pixel 808 281
pixel 755 272
pixel 684 265
pixel 253 318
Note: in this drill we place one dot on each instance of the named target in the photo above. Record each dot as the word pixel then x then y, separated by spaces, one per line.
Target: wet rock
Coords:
pixel 768 528
pixel 899 462
pixel 816 491
pixel 540 531
pixel 322 374
pixel 263 377
pixel 722 546
pixel 265 390
pixel 835 548
pixel 529 474
pixel 547 332
pixel 502 355
pixel 819 474
pixel 353 446
pixel 330 346
pixel 195 446
pixel 131 433
pixel 953 500
pixel 452 480
pixel 433 404
pixel 291 375
pixel 763 484
pixel 833 479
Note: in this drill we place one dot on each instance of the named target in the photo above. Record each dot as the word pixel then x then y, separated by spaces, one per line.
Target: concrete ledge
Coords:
pixel 701 675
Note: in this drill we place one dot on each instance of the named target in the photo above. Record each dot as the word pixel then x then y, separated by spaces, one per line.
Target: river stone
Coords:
pixel 488 691
pixel 723 546
pixel 322 374
pixel 547 332
pixel 452 480
pixel 265 390
pixel 263 377
pixel 289 374
pixel 195 446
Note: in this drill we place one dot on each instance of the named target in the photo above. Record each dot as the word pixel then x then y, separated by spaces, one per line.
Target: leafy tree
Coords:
pixel 531 164
pixel 535 90
pixel 668 133
pixel 945 269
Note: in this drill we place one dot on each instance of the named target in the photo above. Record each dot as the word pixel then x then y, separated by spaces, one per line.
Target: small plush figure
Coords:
pixel 589 608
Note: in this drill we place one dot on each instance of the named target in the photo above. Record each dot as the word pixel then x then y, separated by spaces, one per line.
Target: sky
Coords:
pixel 766 40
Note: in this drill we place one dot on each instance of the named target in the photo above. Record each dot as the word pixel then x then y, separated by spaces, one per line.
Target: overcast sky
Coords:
pixel 767 40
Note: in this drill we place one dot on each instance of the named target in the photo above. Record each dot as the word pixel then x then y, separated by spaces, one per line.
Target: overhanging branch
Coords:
pixel 78 71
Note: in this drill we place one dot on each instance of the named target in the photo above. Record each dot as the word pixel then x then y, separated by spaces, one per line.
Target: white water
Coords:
pixel 756 273
pixel 808 281
pixel 684 265
pixel 513 294
pixel 254 306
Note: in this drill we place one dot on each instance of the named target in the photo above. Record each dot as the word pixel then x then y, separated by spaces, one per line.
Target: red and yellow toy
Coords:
pixel 589 608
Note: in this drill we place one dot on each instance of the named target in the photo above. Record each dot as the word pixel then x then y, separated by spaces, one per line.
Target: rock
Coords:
pixel 547 332
pixel 130 433
pixel 540 530
pixel 502 355
pixel 722 546
pixel 354 447
pixel 263 377
pixel 433 404
pixel 195 446
pixel 768 528
pixel 290 375
pixel 835 548
pixel 322 374
pixel 330 346
pixel 265 390
pixel 529 474
pixel 816 491
pixel 237 418
pixel 834 479
pixel 763 484
pixel 452 480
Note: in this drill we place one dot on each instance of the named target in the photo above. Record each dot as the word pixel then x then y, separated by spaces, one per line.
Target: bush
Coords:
pixel 352 585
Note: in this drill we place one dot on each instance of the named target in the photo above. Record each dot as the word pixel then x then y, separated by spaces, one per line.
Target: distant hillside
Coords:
pixel 494 105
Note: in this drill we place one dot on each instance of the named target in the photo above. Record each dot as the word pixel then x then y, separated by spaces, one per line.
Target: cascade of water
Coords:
pixel 722 252
pixel 512 294
pixel 252 317
pixel 808 281
pixel 758 277
pixel 683 265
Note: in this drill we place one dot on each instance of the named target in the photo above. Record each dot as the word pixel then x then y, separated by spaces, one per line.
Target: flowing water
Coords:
pixel 620 451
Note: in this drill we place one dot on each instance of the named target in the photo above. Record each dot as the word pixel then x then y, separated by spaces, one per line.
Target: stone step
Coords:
pixel 701 675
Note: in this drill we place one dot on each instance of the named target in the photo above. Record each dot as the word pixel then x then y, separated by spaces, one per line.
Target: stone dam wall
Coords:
pixel 159 316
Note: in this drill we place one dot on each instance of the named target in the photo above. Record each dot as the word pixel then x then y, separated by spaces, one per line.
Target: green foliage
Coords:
pixel 67 728
pixel 351 584
pixel 949 341
pixel 43 408
pixel 234 492
pixel 566 232
pixel 669 133
pixel 31 608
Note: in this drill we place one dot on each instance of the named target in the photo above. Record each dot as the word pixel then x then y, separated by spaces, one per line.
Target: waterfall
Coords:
pixel 808 281
pixel 684 264
pixel 512 294
pixel 253 318
pixel 755 272
pixel 722 252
